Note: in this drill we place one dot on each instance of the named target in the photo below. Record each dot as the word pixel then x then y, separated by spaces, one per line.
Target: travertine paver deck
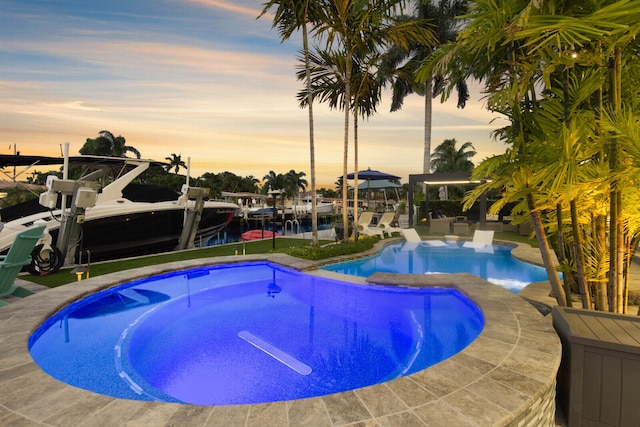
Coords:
pixel 505 377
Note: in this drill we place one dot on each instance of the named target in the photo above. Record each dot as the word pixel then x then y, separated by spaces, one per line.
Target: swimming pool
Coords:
pixel 493 263
pixel 249 333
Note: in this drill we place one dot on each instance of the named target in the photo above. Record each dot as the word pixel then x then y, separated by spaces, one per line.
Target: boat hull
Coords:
pixel 146 233
pixel 129 229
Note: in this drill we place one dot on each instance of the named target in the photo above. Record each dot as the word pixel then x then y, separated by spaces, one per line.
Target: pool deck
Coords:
pixel 505 377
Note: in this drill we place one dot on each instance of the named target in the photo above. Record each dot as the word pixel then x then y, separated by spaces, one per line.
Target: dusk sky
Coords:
pixel 199 78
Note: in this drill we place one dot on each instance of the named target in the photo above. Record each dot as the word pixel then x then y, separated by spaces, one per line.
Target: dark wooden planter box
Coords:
pixel 599 376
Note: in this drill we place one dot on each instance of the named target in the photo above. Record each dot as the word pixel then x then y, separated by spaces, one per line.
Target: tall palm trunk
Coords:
pixel 633 246
pixel 312 150
pixel 561 252
pixel 545 252
pixel 616 254
pixel 578 251
pixel 579 258
pixel 428 112
pixel 599 241
pixel 345 172
pixel 536 221
pixel 355 168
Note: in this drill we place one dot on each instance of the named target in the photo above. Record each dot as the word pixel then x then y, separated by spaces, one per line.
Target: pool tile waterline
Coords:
pixel 517 356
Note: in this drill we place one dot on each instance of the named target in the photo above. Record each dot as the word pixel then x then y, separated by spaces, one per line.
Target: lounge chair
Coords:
pixel 385 223
pixel 365 228
pixel 365 219
pixel 481 238
pixel 18 256
pixel 412 236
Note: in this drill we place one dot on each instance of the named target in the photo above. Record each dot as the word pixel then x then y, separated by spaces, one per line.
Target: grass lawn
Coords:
pixel 65 276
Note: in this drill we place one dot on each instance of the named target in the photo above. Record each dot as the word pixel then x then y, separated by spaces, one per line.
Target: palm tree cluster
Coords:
pixel 108 145
pixel 227 181
pixel 361 46
pixel 565 73
pixel 290 183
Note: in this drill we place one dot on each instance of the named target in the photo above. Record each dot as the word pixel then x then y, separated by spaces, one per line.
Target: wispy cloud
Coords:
pixel 168 63
pixel 229 6
pixel 202 78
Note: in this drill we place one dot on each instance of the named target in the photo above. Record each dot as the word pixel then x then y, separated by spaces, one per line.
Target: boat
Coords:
pixel 249 203
pixel 258 234
pixel 259 212
pixel 304 206
pixel 86 219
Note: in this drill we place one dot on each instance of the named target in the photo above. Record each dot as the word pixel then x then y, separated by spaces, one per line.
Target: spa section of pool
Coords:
pixel 249 333
pixel 492 263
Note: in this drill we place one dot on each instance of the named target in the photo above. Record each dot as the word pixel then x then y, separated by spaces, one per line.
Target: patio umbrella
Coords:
pixel 372 175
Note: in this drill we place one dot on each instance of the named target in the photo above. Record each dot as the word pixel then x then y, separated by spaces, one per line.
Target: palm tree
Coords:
pixel 401 64
pixel 358 27
pixel 328 73
pixel 339 184
pixel 573 157
pixel 294 182
pixel 107 145
pixel 510 74
pixel 449 158
pixel 273 181
pixel 175 163
pixel 290 16
pixel 606 32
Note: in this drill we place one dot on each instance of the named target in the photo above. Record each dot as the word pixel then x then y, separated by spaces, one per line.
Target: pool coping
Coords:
pixel 505 377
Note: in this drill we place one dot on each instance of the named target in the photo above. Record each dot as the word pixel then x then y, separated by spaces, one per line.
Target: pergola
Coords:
pixel 449 178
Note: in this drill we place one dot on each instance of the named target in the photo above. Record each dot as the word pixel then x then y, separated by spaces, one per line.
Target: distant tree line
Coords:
pixel 447 158
pixel 108 145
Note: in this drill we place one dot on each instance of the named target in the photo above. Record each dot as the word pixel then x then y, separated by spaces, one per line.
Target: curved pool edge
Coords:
pixel 505 377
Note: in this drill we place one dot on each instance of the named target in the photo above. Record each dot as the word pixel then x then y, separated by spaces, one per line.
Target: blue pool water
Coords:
pixel 493 263
pixel 249 333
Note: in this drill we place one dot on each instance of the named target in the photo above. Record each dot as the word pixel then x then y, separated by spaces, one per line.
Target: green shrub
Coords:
pixel 315 253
